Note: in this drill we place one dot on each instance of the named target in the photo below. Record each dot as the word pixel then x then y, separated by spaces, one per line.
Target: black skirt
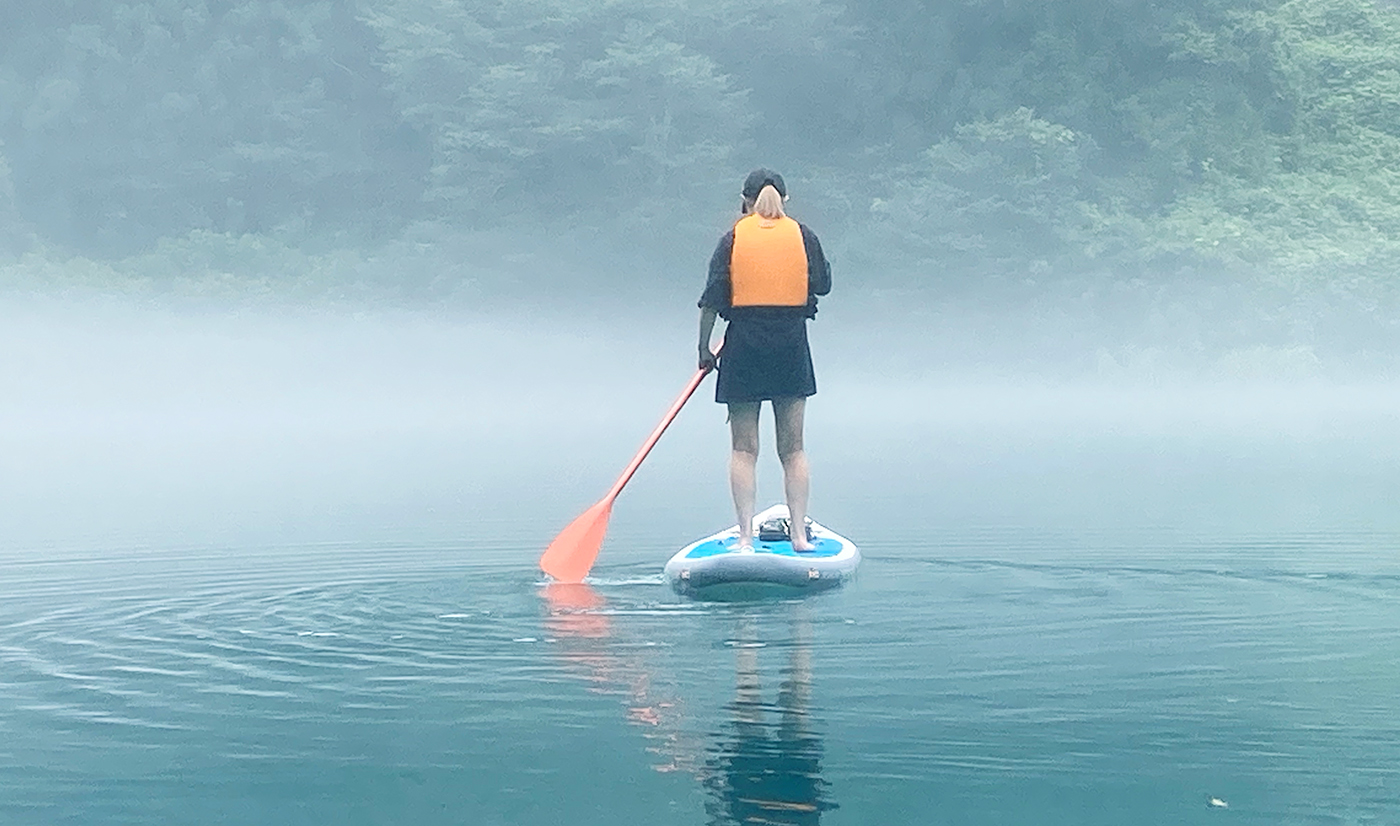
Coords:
pixel 765 356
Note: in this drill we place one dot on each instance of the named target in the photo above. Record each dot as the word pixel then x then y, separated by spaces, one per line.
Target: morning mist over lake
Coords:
pixel 320 321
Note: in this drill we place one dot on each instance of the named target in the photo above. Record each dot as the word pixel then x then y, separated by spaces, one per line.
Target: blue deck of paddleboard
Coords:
pixel 717 547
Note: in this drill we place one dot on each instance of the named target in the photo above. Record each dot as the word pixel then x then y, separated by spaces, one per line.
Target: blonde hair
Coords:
pixel 769 204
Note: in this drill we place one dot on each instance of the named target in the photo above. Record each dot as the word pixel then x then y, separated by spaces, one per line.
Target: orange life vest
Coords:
pixel 768 265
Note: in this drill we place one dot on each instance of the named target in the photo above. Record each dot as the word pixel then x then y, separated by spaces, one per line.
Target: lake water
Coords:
pixel 1078 606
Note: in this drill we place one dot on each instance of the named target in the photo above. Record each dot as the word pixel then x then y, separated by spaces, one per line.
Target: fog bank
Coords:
pixel 133 427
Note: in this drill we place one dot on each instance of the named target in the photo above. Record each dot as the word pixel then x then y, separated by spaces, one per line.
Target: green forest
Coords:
pixel 994 150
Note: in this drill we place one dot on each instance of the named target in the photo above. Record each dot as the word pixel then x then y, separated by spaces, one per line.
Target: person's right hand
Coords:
pixel 707 359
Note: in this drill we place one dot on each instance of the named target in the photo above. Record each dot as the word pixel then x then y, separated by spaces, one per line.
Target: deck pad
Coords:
pixel 727 545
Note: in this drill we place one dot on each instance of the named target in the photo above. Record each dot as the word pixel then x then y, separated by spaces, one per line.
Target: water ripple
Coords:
pixel 1041 668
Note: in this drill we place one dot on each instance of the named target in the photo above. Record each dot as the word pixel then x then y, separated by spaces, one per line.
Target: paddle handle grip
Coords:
pixel 656 434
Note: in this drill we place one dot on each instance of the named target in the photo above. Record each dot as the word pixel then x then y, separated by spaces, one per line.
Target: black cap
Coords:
pixel 758 179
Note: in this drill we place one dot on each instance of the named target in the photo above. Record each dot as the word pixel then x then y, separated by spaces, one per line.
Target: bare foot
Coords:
pixel 801 539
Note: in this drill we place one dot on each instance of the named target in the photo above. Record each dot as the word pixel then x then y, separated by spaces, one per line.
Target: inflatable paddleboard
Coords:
pixel 714 568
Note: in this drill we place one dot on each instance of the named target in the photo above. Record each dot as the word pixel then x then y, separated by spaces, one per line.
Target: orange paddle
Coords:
pixel 571 554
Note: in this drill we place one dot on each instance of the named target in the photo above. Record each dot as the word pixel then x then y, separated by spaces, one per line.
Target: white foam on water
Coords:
pixel 653 579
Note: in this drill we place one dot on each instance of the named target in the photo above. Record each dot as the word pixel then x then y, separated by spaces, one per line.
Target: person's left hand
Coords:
pixel 707 359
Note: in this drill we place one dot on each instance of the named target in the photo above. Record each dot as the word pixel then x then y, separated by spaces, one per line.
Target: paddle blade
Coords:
pixel 571 554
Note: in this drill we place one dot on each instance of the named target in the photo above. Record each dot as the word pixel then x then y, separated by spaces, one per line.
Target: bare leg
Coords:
pixel 743 432
pixel 788 415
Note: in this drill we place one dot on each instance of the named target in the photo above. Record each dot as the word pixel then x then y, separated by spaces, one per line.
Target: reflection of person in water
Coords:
pixel 769 771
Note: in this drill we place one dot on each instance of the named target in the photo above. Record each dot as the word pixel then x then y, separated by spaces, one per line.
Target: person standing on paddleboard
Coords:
pixel 765 276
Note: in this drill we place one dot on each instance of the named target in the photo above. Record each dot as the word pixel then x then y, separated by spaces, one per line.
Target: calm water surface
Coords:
pixel 981 676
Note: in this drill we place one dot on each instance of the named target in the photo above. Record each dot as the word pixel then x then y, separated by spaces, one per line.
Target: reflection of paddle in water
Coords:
pixel 586 643
pixel 768 771
pixel 762 768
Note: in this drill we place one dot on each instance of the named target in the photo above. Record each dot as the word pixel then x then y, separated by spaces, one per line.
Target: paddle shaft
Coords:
pixel 656 434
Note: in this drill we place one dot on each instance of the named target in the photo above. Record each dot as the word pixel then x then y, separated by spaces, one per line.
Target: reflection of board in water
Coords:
pixel 768 771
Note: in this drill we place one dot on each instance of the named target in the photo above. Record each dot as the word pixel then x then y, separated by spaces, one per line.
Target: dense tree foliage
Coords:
pixel 9 216
pixel 938 146
pixel 130 121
